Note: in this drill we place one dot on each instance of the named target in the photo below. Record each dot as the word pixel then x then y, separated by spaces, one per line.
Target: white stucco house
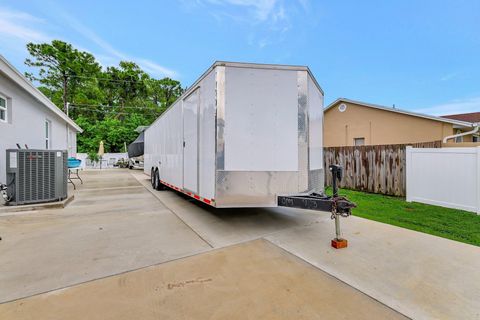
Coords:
pixel 28 117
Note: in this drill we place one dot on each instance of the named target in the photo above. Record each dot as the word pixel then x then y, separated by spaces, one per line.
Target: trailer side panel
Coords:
pixel 315 137
pixel 191 141
pixel 164 146
pixel 207 137
pixel 180 144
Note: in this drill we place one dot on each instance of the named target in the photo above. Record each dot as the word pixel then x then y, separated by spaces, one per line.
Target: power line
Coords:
pixel 120 80
pixel 111 80
pixel 102 111
pixel 109 111
pixel 110 106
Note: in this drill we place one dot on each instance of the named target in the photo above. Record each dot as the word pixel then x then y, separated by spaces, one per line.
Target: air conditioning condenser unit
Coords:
pixel 35 176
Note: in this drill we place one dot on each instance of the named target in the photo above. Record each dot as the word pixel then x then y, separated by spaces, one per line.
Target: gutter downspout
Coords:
pixel 475 130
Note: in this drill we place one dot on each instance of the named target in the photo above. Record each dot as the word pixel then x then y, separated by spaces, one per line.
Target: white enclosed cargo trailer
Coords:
pixel 241 136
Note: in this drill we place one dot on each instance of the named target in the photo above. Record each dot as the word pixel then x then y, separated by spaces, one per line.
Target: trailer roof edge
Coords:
pixel 259 65
pixel 269 66
pixel 219 63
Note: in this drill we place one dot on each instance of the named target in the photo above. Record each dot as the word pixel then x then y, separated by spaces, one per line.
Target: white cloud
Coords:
pixel 453 107
pixel 18 28
pixel 17 25
pixel 449 76
pixel 155 68
pixel 17 31
pixel 269 19
pixel 89 34
pixel 113 54
pixel 6 13
pixel 262 9
pixel 305 4
pixel 105 60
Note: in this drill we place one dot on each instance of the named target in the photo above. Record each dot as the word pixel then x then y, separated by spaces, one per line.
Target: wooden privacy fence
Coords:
pixel 377 169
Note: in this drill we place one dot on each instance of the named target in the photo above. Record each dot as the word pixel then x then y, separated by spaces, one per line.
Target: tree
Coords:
pixel 124 84
pixel 112 131
pixel 164 92
pixel 62 69
pixel 108 104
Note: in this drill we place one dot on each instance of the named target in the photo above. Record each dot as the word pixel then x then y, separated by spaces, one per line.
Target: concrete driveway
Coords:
pixel 113 225
pixel 253 280
pixel 419 275
pixel 117 223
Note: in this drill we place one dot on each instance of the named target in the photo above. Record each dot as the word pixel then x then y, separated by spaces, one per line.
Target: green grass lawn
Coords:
pixel 443 222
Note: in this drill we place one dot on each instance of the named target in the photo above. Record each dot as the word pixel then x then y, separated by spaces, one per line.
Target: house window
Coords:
pixel 72 143
pixel 3 109
pixel 459 139
pixel 359 141
pixel 48 134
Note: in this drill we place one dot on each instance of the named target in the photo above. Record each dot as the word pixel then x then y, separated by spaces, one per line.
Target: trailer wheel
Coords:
pixel 152 177
pixel 156 180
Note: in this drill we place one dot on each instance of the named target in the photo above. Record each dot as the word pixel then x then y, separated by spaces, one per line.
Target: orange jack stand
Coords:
pixel 339 243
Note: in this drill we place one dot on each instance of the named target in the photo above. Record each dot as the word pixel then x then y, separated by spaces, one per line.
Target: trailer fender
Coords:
pixel 158 185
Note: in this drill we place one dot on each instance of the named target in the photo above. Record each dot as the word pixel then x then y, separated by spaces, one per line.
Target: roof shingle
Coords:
pixel 469 117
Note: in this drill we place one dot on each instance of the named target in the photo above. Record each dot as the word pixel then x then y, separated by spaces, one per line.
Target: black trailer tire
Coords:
pixel 157 181
pixel 152 177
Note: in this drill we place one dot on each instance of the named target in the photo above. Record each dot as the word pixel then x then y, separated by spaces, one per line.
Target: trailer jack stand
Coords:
pixel 338 242
pixel 336 205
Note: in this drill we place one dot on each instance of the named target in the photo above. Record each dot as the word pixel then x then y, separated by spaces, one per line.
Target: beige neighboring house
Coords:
pixel 349 123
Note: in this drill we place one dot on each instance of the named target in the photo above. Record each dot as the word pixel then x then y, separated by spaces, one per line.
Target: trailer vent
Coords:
pixel 35 176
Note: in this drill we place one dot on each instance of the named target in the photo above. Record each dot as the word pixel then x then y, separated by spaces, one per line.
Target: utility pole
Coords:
pixel 65 103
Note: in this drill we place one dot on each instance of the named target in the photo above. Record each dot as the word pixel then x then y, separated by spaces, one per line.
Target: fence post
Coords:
pixel 408 170
pixel 478 180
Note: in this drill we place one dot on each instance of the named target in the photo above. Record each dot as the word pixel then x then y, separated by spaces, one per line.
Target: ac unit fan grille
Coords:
pixel 36 176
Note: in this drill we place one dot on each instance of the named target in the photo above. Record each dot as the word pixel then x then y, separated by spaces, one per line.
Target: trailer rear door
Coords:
pixel 261 120
pixel 190 141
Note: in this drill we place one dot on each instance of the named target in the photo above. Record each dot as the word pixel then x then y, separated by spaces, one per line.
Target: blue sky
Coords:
pixel 419 55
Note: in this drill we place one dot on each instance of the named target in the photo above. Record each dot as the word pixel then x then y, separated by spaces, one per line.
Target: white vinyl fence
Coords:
pixel 447 177
pixel 108 160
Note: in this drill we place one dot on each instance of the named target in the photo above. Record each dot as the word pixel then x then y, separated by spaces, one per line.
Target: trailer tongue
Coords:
pixel 337 205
